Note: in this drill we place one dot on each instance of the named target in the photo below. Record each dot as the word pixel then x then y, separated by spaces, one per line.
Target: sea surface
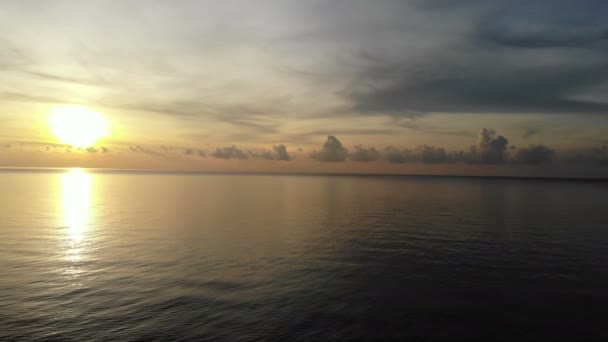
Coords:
pixel 126 256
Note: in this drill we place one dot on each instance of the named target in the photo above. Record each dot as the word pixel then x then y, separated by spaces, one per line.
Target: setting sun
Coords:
pixel 77 126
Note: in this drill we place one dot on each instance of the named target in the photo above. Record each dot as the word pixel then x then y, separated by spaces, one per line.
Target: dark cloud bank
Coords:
pixel 517 56
pixel 490 149
pixel 278 152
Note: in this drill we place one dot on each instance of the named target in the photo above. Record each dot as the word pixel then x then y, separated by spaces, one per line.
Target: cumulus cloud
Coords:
pixel 229 153
pixel 431 154
pixel 362 154
pixel 397 156
pixel 422 154
pixel 278 152
pixel 332 151
pixel 491 147
pixel 534 155
pixel 281 152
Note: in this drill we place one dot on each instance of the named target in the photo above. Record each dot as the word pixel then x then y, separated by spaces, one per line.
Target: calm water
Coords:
pixel 111 256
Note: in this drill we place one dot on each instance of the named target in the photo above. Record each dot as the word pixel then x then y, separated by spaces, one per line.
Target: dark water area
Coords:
pixel 87 256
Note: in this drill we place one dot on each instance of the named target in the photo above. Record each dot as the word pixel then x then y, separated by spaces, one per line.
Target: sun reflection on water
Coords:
pixel 76 205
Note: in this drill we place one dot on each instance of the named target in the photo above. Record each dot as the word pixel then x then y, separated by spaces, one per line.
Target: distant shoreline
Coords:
pixel 308 174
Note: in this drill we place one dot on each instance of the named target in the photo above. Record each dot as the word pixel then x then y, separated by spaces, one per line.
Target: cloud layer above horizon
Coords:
pixel 226 79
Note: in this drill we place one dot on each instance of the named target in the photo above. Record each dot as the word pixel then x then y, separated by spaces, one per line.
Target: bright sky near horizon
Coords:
pixel 465 87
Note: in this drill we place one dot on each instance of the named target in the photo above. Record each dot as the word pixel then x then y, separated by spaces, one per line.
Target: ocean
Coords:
pixel 135 256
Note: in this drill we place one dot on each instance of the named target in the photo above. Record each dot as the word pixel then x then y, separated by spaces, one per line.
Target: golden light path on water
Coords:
pixel 76 188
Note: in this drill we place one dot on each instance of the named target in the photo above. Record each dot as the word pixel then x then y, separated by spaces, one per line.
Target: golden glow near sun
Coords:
pixel 77 126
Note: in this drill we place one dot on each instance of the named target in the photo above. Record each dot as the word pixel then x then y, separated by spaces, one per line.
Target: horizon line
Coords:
pixel 34 169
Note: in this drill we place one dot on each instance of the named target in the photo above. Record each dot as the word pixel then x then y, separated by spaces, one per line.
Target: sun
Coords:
pixel 77 126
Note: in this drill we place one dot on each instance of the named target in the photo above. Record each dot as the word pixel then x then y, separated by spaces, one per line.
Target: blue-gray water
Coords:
pixel 127 256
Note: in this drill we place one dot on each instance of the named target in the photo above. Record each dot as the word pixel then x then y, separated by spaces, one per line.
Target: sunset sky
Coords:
pixel 512 87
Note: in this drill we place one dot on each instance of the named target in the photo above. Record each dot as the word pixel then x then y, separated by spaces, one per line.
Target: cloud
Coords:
pixel 229 153
pixel 422 154
pixel 137 148
pixel 140 149
pixel 530 131
pixel 432 155
pixel 534 155
pixel 288 62
pixel 600 155
pixel 491 149
pixel 261 155
pixel 192 152
pixel 513 57
pixel 594 156
pixel 530 26
pixel 362 154
pixel 281 152
pixel 332 151
pixel 398 156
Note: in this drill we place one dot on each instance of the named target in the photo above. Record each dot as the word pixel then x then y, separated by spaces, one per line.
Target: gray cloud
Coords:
pixel 140 149
pixel 530 131
pixel 534 155
pixel 398 156
pixel 261 155
pixel 281 152
pixel 600 155
pixel 594 156
pixel 229 153
pixel 362 154
pixel 491 149
pixel 516 57
pixel 192 152
pixel 423 154
pixel 332 151
pixel 431 154
pixel 278 153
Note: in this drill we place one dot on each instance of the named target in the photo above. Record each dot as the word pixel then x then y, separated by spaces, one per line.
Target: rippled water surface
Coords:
pixel 127 256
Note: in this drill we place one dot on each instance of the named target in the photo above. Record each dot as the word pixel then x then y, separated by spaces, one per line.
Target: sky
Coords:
pixel 480 87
